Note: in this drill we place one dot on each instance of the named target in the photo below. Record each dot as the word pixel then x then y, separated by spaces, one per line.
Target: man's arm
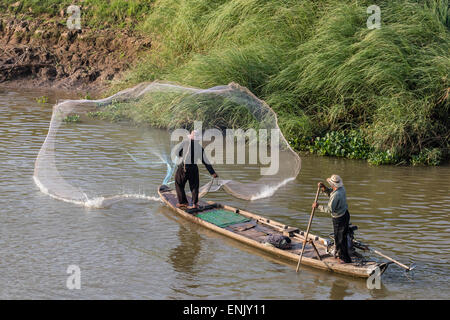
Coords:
pixel 330 207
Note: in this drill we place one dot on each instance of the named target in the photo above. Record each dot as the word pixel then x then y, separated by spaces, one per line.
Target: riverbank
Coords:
pixel 43 53
pixel 318 65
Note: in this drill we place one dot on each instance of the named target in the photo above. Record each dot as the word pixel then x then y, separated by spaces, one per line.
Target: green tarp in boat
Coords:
pixel 222 218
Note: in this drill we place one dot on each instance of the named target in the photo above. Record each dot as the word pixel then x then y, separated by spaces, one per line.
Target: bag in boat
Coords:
pixel 278 241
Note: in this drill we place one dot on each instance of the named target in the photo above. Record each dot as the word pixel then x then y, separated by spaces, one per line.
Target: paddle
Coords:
pixel 307 230
pixel 366 247
pixel 393 260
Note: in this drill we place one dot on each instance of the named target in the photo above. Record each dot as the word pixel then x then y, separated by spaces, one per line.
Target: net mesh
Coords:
pixel 171 106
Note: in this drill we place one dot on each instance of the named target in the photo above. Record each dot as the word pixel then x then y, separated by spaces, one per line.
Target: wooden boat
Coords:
pixel 253 230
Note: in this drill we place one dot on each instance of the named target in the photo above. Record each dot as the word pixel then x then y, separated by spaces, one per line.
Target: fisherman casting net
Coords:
pixel 239 132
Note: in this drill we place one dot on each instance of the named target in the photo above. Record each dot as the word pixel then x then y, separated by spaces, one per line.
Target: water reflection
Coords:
pixel 381 293
pixel 339 290
pixel 183 257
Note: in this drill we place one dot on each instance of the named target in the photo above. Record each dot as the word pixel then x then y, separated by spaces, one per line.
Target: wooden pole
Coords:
pixel 390 259
pixel 307 230
pixel 367 248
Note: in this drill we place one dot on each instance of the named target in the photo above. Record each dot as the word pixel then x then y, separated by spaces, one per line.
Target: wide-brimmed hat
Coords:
pixel 335 181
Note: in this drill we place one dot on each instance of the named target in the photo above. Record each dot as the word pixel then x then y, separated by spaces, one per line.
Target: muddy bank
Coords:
pixel 45 53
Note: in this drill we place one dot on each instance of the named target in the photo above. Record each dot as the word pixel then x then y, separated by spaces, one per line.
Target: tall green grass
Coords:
pixel 174 109
pixel 318 65
pixel 94 13
pixel 389 82
pixel 315 62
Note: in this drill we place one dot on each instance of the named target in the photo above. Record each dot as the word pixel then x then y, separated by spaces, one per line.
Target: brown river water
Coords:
pixel 139 249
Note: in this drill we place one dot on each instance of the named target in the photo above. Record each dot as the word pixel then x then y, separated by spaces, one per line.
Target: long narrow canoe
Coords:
pixel 253 230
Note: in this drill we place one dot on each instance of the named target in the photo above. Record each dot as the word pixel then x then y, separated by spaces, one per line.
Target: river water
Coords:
pixel 139 249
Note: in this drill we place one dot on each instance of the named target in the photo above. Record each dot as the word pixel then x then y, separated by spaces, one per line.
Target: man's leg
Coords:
pixel 336 236
pixel 345 255
pixel 340 226
pixel 180 183
pixel 194 183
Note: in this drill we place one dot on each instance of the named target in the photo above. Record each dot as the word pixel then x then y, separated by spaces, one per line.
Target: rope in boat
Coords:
pixel 210 185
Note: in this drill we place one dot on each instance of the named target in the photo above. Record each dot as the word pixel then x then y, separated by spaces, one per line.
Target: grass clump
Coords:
pixel 73 118
pixel 388 81
pixel 42 100
pixel 319 67
pixel 428 157
pixel 205 43
pixel 173 110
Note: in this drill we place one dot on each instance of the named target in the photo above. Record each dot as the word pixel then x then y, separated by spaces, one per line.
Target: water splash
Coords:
pixel 96 202
pixel 269 191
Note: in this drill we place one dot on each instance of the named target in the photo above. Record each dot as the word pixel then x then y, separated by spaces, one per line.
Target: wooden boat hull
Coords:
pixel 256 230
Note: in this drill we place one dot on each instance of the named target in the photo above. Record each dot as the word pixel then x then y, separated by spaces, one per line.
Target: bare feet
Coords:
pixel 182 205
pixel 194 206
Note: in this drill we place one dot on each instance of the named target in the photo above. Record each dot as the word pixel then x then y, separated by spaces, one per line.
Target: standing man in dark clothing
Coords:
pixel 188 170
pixel 338 208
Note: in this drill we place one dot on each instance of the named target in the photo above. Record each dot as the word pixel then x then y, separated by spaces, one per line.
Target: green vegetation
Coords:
pixel 179 110
pixel 353 145
pixel 73 118
pixel 380 95
pixel 320 68
pixel 430 157
pixel 94 13
pixel 87 96
pixel 43 99
pixel 339 144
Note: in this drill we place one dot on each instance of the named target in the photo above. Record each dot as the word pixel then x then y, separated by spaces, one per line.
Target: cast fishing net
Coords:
pixel 89 148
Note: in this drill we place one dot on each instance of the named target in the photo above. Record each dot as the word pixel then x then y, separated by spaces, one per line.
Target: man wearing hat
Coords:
pixel 188 170
pixel 337 207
